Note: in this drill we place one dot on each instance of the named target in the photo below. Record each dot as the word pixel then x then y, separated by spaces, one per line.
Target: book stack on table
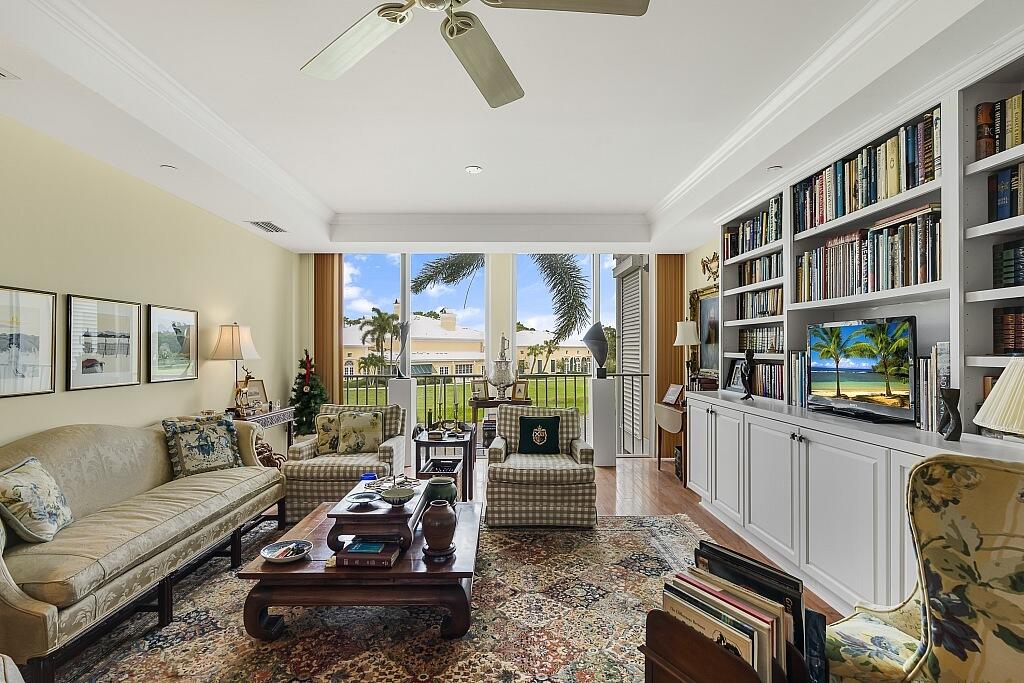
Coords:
pixel 369 553
pixel 751 610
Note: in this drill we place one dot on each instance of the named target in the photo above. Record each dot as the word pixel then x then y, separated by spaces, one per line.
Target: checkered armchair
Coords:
pixel 312 479
pixel 540 490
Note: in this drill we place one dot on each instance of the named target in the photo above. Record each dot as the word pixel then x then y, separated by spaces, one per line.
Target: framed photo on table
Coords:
pixel 28 324
pixel 255 398
pixel 104 338
pixel 173 344
pixel 735 370
pixel 674 393
pixel 521 390
pixel 481 389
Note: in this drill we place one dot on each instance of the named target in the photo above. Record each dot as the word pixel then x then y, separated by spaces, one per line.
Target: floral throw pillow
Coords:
pixel 201 444
pixel 349 432
pixel 32 503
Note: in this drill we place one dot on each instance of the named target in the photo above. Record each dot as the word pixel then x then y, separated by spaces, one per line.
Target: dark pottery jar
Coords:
pixel 439 521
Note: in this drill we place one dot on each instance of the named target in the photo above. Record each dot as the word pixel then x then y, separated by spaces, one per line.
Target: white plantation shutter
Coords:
pixel 631 356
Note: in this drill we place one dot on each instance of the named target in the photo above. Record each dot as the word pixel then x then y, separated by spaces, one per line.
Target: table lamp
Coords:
pixel 686 335
pixel 1003 410
pixel 234 342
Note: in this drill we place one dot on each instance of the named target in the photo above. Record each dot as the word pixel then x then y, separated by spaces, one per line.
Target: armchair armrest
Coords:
pixel 303 450
pixel 247 433
pixel 581 451
pixel 905 617
pixel 497 451
pixel 28 627
pixel 392 452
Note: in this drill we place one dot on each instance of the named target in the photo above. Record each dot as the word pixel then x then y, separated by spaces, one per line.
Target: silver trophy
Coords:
pixel 502 373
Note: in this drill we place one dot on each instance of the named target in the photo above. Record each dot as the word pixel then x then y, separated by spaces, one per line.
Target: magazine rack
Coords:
pixel 675 653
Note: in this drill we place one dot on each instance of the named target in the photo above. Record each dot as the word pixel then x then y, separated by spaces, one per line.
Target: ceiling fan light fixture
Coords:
pixel 474 169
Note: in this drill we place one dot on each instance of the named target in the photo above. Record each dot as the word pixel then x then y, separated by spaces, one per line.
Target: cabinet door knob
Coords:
pixel 792 437
pixel 800 438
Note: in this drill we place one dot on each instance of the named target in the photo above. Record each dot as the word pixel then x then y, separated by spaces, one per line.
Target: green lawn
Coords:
pixel 448 401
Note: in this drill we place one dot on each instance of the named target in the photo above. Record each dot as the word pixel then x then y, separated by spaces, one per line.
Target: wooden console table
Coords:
pixel 281 416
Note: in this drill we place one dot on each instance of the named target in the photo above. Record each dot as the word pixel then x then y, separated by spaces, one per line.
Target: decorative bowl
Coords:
pixel 397 496
pixel 363 497
pixel 268 552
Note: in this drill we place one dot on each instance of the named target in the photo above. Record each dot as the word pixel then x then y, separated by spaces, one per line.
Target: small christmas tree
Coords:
pixel 308 394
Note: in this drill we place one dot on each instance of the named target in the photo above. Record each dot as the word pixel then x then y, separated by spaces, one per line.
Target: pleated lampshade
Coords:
pixel 1003 410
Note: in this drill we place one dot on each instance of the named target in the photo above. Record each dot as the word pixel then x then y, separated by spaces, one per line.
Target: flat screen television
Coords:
pixel 863 368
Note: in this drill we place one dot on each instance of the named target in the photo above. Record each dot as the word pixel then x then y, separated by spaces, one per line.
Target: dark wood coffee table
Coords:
pixel 377 519
pixel 412 581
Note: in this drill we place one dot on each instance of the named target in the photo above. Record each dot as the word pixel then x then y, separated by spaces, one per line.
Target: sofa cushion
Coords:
pixel 96 549
pixel 349 432
pixel 31 502
pixel 201 444
pixel 334 467
pixel 540 469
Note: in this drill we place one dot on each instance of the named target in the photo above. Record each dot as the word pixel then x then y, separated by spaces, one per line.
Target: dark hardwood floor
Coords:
pixel 636 487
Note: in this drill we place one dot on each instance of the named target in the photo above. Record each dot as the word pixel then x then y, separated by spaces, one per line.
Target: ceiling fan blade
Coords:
pixel 358 41
pixel 483 62
pixel 632 8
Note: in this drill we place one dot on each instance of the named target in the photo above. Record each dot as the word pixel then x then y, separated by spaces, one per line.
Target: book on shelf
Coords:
pixel 1008 331
pixel 760 269
pixel 998 126
pixel 767 339
pixel 910 157
pixel 762 304
pixel 1006 193
pixel 1008 264
pixel 754 232
pixel 798 379
pixel 767 380
pixel 887 256
pixel 933 372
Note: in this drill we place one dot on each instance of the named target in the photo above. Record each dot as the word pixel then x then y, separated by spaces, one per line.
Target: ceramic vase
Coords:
pixel 439 526
pixel 441 488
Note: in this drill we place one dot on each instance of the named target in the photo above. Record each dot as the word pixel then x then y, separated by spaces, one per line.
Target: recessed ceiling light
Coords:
pixel 474 170
pixel 773 169
pixel 171 167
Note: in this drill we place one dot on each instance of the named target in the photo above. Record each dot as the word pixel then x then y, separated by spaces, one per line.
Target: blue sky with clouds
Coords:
pixel 372 280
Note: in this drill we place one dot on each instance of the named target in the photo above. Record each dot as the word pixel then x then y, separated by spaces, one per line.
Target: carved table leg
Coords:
pixel 456 623
pixel 334 541
pixel 258 622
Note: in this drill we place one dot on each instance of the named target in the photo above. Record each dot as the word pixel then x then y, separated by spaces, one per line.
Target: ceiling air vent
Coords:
pixel 8 76
pixel 267 226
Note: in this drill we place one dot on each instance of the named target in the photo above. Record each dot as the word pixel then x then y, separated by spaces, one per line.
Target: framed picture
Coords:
pixel 735 383
pixel 103 343
pixel 481 389
pixel 28 324
pixel 255 397
pixel 673 394
pixel 521 390
pixel 173 344
pixel 704 309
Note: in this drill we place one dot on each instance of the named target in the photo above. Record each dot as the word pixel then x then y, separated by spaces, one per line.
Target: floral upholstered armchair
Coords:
pixel 540 490
pixel 313 477
pixel 965 622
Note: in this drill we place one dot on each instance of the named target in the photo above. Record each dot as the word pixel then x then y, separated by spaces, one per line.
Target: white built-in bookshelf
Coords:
pixel 955 303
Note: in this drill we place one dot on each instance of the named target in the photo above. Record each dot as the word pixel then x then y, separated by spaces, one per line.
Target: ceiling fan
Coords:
pixel 464 33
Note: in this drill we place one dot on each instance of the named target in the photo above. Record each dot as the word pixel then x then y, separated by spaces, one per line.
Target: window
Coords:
pixel 443 370
pixel 463 368
pixel 349 369
pixel 371 286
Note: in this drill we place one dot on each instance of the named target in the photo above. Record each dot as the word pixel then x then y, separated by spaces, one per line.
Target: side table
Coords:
pixel 465 442
pixel 281 416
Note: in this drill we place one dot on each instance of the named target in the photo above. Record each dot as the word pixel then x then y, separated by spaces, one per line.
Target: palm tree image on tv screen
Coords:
pixel 866 362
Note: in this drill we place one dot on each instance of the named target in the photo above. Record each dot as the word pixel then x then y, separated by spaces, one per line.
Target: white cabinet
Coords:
pixel 772 476
pixel 902 555
pixel 698 447
pixel 845 514
pixel 727 462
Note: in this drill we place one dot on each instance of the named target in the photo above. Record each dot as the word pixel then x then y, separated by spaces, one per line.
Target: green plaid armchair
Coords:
pixel 312 479
pixel 540 490
pixel 965 621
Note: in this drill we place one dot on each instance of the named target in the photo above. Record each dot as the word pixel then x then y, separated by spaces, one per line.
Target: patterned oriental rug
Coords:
pixel 548 605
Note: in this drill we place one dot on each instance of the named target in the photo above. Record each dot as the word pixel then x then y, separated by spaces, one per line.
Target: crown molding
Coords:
pixel 101 41
pixel 1002 51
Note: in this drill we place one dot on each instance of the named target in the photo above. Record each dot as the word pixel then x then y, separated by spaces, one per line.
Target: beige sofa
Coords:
pixel 135 526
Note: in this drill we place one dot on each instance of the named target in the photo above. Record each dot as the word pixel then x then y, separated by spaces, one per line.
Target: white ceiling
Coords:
pixel 650 119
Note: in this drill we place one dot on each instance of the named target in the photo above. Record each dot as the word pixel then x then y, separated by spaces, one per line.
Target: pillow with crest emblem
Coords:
pixel 538 435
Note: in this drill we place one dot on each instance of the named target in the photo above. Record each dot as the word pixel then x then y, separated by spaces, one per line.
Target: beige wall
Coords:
pixel 694 278
pixel 71 224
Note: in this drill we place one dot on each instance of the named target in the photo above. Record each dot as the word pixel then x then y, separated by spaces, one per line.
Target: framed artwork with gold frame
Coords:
pixel 704 308
pixel 521 390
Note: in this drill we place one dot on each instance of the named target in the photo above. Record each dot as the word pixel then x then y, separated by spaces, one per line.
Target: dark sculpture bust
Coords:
pixel 747 374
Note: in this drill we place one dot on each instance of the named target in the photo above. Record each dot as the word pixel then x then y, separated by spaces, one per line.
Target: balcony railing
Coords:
pixel 446 397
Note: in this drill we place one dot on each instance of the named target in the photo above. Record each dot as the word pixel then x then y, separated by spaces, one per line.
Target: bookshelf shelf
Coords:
pixel 754 322
pixel 1005 226
pixel 770 248
pixel 757 286
pixel 861 216
pixel 758 356
pixel 996 161
pixel 929 291
pixel 1000 294
pixel 989 361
